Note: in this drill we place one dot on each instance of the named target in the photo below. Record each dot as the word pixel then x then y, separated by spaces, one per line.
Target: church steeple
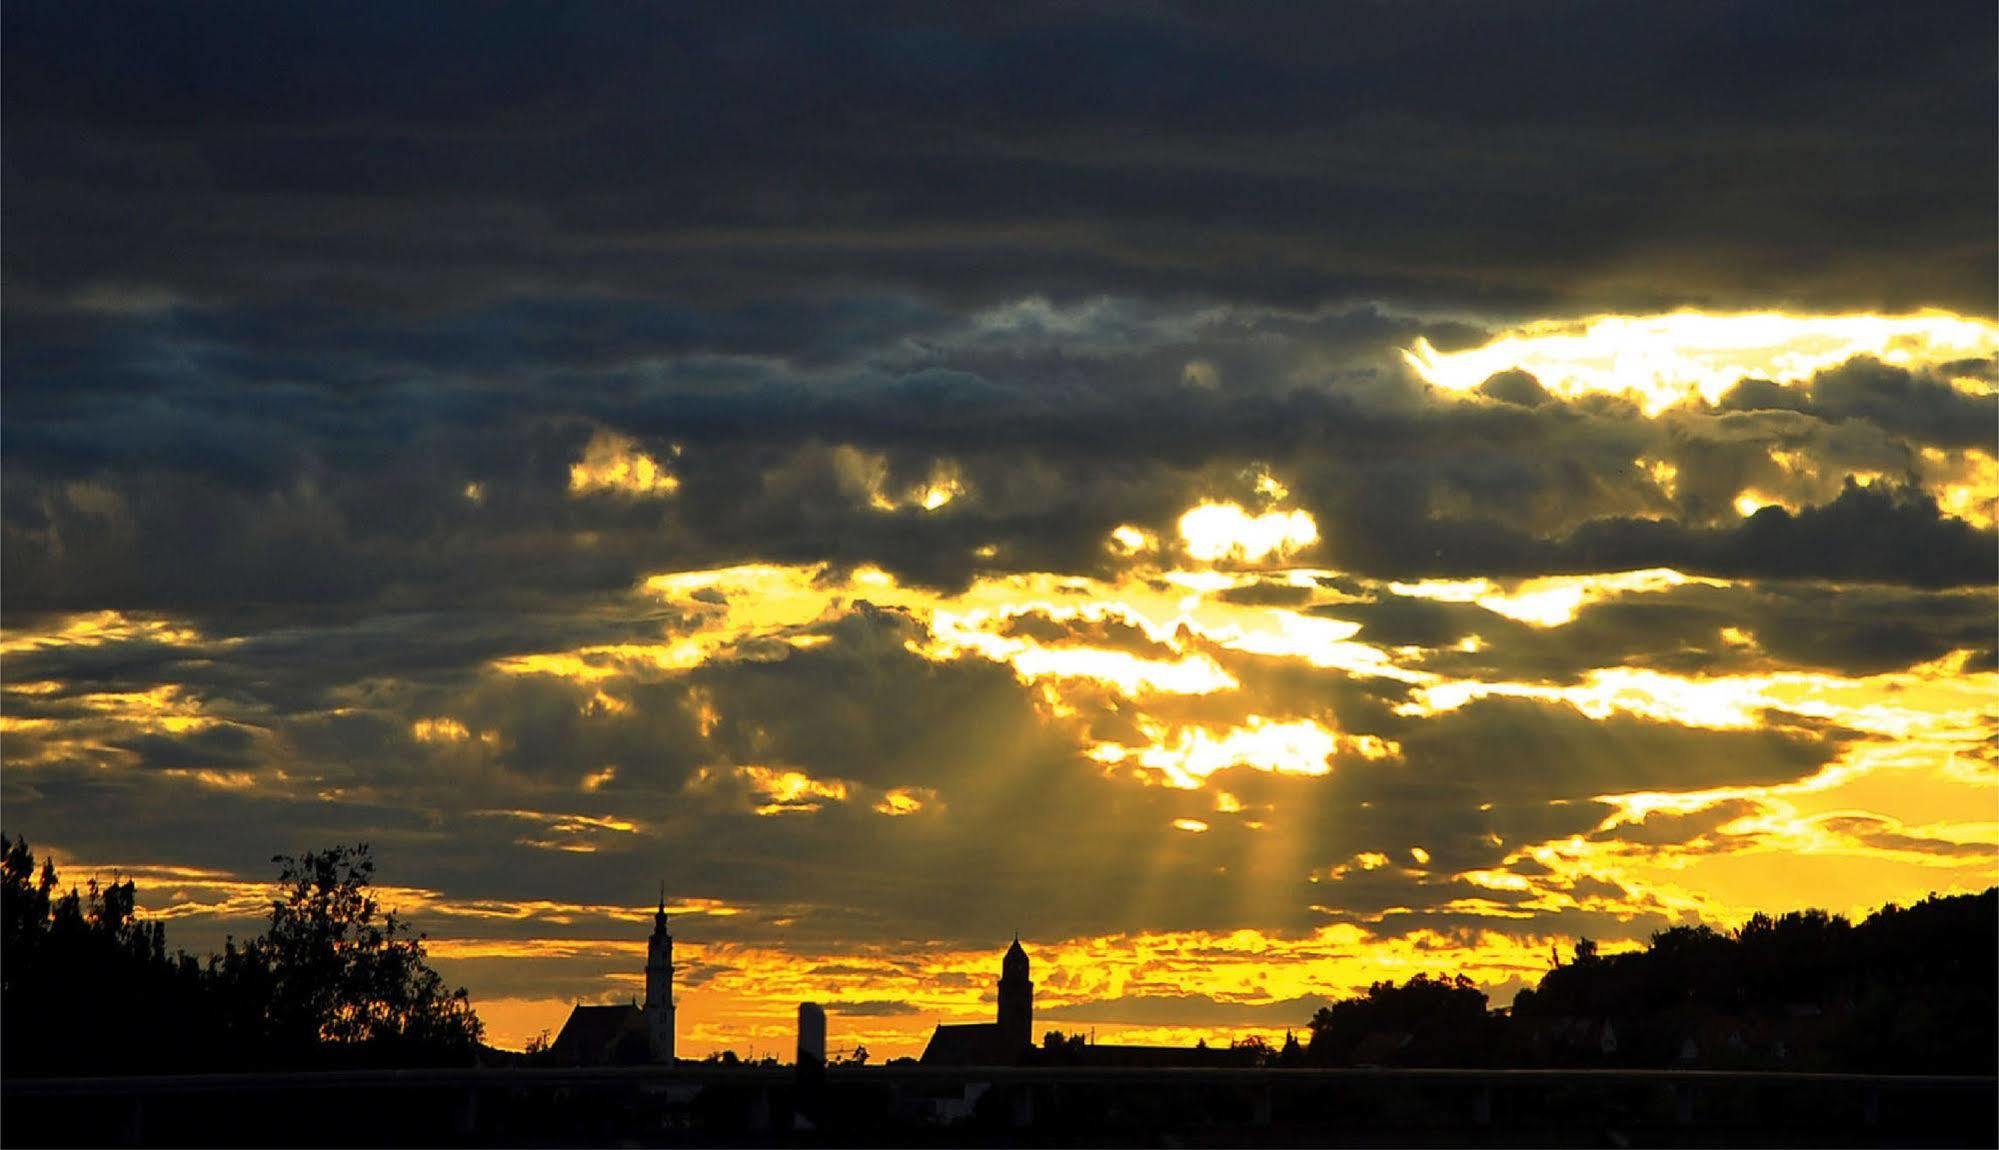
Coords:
pixel 659 983
pixel 1015 961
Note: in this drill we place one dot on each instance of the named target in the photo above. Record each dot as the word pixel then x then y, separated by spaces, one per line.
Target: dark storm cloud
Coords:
pixel 267 320
pixel 455 156
pixel 1518 748
pixel 1860 630
pixel 1400 489
pixel 1922 406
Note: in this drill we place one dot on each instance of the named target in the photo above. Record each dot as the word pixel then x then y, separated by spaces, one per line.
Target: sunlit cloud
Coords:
pixel 1551 600
pixel 612 464
pixel 1751 501
pixel 1216 531
pixel 865 476
pixel 98 628
pixel 1129 540
pixel 1134 675
pixel 606 661
pixel 777 790
pixel 439 730
pixel 1191 754
pixel 1664 475
pixel 898 802
pixel 1934 699
pixel 1965 483
pixel 1663 360
pixel 572 833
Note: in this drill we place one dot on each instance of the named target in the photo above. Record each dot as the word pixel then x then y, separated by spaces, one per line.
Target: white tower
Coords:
pixel 659 985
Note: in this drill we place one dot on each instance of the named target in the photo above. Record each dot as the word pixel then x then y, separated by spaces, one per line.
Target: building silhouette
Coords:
pixel 1009 1040
pixel 626 1034
pixel 1003 1042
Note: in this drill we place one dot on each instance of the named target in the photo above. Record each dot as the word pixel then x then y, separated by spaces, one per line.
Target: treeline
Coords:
pixel 88 988
pixel 1908 990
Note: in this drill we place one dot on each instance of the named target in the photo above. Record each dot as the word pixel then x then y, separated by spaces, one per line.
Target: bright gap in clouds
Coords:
pixel 1663 360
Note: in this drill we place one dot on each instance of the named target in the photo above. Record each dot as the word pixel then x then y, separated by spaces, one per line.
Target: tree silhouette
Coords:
pixel 80 970
pixel 87 987
pixel 342 972
pixel 1425 1021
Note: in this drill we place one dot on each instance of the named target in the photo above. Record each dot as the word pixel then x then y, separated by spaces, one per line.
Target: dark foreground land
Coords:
pixel 919 1106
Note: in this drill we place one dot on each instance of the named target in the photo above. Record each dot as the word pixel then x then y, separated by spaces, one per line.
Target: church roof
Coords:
pixel 969 1044
pixel 591 1032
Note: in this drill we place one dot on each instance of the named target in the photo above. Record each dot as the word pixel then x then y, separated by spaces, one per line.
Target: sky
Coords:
pixel 1256 500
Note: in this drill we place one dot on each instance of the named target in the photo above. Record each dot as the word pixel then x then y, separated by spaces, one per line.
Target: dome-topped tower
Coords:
pixel 1016 998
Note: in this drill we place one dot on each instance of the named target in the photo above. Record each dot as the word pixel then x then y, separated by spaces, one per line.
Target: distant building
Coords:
pixel 1009 1041
pixel 626 1034
pixel 1003 1042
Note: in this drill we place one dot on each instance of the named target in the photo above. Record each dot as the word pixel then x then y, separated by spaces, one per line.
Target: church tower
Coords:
pixel 659 985
pixel 1016 999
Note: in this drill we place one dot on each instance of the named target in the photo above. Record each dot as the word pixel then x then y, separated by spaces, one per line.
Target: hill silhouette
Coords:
pixel 1907 990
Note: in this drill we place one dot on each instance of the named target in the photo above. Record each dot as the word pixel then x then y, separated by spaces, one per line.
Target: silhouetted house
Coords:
pixel 1571 1040
pixel 626 1034
pixel 1003 1042
pixel 1382 1048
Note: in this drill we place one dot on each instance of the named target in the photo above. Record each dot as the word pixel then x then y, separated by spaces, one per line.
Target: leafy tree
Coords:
pixel 338 971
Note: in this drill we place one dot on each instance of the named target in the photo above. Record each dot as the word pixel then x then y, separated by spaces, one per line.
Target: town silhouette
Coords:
pixel 1882 1029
